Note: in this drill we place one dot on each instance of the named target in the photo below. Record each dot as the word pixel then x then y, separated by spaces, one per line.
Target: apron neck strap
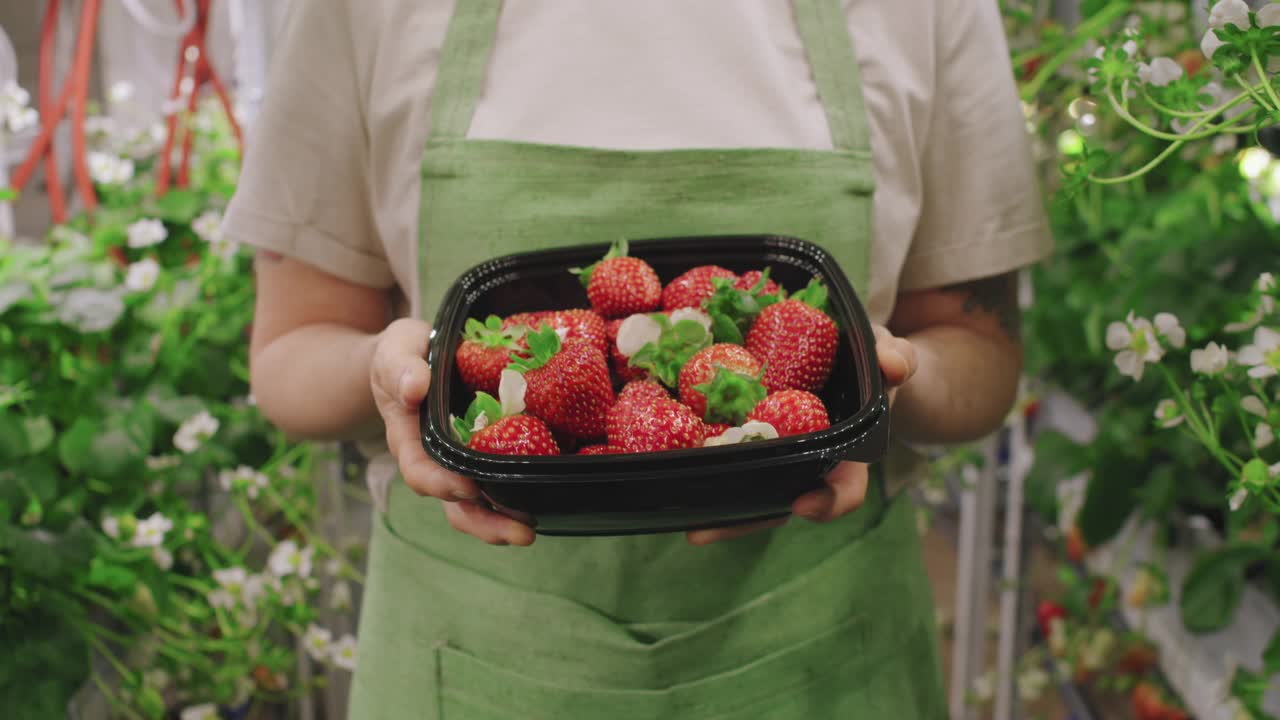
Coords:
pixel 468 45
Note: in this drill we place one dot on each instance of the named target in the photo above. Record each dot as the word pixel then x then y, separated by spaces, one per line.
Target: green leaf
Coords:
pixel 180 206
pixel 1255 475
pixel 90 310
pixel 815 295
pixel 1213 588
pixel 13 293
pixel 1056 458
pixel 1271 656
pixel 74 446
pixel 171 407
pixel 13 437
pixel 109 576
pixel 543 345
pixel 39 432
pixel 52 557
pixel 731 396
pixel 483 403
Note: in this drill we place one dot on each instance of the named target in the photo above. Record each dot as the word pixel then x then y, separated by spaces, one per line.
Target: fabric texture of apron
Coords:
pixel 806 621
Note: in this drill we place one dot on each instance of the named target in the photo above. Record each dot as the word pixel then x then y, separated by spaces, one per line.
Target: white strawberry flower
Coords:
pixel 1237 499
pixel 1160 72
pixel 1136 341
pixel 288 559
pixel 318 641
pixel 1253 404
pixel 111 527
pixel 195 431
pixel 635 332
pixel 243 479
pixel 340 596
pixel 141 276
pixel 1266 281
pixel 151 531
pixel 1210 44
pixel 1211 360
pixel 231 579
pixel 751 430
pixel 1031 683
pixel 15 111
pixel 1263 356
pixel 120 92
pixel 1269 15
pixel 511 390
pixel 1263 436
pixel 162 557
pixel 254 589
pixel 1170 330
pixel 108 169
pixel 207 711
pixel 1229 12
pixel 343 653
pixel 145 233
pixel 984 687
pixel 208 226
pixel 1168 415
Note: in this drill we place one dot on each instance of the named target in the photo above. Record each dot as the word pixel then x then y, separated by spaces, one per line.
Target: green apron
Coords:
pixel 806 621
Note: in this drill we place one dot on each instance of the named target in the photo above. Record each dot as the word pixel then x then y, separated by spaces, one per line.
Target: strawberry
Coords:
pixel 717 429
pixel 485 350
pixel 750 279
pixel 1077 548
pixel 633 394
pixel 694 286
pixel 792 412
pixel 568 386
pixel 1149 704
pixel 669 341
pixel 621 363
pixel 572 324
pixel 486 429
pixel 1137 659
pixel 721 383
pixel 796 341
pixel 599 450
pixel 1046 613
pixel 656 424
pixel 618 285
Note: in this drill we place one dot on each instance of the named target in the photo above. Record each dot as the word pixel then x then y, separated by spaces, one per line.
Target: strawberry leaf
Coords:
pixel 484 404
pixel 733 311
pixel 677 343
pixel 490 333
pixel 617 250
pixel 731 396
pixel 543 345
pixel 815 295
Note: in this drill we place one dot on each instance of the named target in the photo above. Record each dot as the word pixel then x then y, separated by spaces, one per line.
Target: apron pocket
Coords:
pixel 805 680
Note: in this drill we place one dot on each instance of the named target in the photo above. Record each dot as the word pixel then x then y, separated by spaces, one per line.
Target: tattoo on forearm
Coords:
pixel 996 296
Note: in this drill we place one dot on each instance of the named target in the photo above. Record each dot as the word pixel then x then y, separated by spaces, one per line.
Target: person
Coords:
pixel 404 141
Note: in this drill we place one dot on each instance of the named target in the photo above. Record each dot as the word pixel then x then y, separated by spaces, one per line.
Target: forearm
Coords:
pixel 963 388
pixel 313 383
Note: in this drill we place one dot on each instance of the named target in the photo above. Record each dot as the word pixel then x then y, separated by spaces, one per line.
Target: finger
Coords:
pixel 896 357
pixel 845 491
pixel 425 477
pixel 400 370
pixel 487 525
pixel 706 537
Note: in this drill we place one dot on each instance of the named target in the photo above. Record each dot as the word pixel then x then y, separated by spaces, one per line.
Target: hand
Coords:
pixel 400 379
pixel 847 483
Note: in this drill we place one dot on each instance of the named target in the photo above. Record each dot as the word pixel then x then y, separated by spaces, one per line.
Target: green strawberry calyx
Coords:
pixel 731 396
pixel 733 310
pixel 617 250
pixel 543 343
pixel 677 342
pixel 484 411
pixel 814 295
pixel 491 334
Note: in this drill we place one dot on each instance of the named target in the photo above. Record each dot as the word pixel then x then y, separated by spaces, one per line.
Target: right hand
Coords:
pixel 400 378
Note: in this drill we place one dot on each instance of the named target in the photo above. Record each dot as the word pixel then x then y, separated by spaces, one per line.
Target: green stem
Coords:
pixel 1184 114
pixel 1244 421
pixel 105 652
pixel 1123 111
pixel 1251 90
pixel 252 521
pixel 113 699
pixel 1265 81
pixel 310 538
pixel 1082 34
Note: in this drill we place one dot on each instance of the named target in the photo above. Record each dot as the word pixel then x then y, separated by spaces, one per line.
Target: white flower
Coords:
pixel 1137 343
pixel 751 430
pixel 1269 15
pixel 1031 683
pixel 142 275
pixel 1094 655
pixel 111 526
pixel 1167 324
pixel 318 642
pixel 693 314
pixel 1212 360
pixel 108 169
pixel 1168 415
pixel 163 558
pixel 333 567
pixel 231 578
pixel 511 389
pixel 1263 436
pixel 145 233
pixel 344 653
pixel 151 532
pixel 1130 48
pixel 288 559
pixel 226 249
pixel 1237 499
pixel 291 594
pixel 1267 281
pixel 1253 404
pixel 1210 44
pixel 340 596
pixel 194 431
pixel 1160 72
pixel 221 599
pixel 984 687
pixel 1263 355
pixel 200 712
pixel 208 226
pixel 1229 12
pixel 254 589
pixel 635 332
pixel 243 479
pixel 14 110
pixel 120 92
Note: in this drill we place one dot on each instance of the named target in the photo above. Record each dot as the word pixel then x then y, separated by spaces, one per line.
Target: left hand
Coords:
pixel 847 483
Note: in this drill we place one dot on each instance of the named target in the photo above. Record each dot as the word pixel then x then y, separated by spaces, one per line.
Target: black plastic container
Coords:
pixel 668 491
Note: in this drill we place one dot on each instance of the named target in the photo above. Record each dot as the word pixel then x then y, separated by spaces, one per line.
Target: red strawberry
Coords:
pixel 568 386
pixel 1046 613
pixel 575 324
pixel 792 412
pixel 1077 548
pixel 694 286
pixel 621 368
pixel 751 278
pixel 484 352
pixel 654 425
pixel 1149 704
pixel 717 429
pixel 598 450
pixel 729 376
pixel 1137 659
pixel 515 435
pixel 796 341
pixel 619 285
pixel 633 394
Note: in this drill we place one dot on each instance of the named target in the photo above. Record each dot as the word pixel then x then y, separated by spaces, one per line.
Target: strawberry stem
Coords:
pixel 731 396
pixel 491 334
pixel 616 250
pixel 677 343
pixel 815 295
pixel 733 311
pixel 484 404
pixel 543 345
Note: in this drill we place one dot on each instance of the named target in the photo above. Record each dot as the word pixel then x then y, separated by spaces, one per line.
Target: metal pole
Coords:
pixel 977 511
pixel 1011 575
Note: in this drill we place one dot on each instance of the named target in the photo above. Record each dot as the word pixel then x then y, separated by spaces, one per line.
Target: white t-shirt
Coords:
pixel 332 171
